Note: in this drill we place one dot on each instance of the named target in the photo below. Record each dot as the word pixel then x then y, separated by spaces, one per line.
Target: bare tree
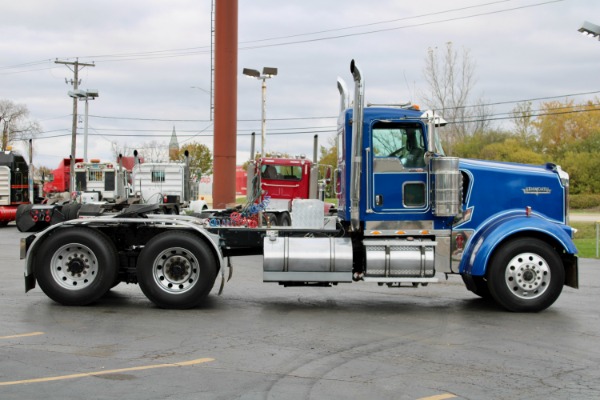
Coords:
pixel 15 123
pixel 123 150
pixel 154 151
pixel 451 79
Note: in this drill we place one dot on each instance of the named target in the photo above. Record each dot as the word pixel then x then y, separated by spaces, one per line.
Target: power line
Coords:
pixel 170 53
pixel 374 23
pixel 400 27
pixel 335 116
pixel 210 134
pixel 206 120
pixel 497 117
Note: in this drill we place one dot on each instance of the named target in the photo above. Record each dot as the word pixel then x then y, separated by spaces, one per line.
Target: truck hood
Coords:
pixel 491 187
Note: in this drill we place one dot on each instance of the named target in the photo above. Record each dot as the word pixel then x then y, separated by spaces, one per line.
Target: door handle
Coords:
pixel 378 200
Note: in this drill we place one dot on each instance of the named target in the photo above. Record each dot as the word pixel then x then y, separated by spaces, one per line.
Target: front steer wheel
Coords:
pixel 76 266
pixel 526 275
pixel 176 269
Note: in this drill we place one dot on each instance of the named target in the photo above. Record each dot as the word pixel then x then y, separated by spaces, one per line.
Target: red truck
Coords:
pixel 283 180
pixel 59 180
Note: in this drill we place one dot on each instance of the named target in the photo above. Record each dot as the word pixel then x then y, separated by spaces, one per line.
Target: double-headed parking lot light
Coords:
pixel 267 73
pixel 589 29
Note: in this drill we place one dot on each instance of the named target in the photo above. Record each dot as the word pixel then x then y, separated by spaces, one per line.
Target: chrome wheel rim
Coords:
pixel 176 270
pixel 74 266
pixel 527 275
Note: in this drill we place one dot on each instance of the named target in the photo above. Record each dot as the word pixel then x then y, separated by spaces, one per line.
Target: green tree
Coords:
pixel 201 160
pixel 583 172
pixel 471 146
pixel 328 155
pixel 582 161
pixel 511 150
pixel 560 125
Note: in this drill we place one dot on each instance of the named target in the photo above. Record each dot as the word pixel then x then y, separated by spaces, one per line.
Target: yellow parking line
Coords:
pixel 439 397
pixel 112 371
pixel 22 335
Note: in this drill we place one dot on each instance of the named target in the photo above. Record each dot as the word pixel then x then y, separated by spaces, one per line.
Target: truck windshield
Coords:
pixel 401 140
pixel 282 172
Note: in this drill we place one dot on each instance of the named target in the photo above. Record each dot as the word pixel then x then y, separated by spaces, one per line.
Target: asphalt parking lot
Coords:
pixel 262 341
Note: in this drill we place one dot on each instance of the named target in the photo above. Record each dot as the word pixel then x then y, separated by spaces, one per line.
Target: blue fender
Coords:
pixel 496 229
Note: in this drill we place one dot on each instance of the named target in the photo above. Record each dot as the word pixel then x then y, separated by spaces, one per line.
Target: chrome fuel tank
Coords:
pixel 400 257
pixel 289 259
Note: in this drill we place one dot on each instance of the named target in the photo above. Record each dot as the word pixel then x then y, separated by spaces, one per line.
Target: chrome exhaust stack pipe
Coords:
pixel 343 89
pixel 357 139
pixel 313 183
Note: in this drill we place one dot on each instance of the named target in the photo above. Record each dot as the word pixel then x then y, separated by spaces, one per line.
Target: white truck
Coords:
pixel 104 188
pixel 165 183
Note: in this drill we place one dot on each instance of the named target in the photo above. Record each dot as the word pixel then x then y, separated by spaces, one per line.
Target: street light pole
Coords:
pixel 84 95
pixel 263 126
pixel 85 130
pixel 268 72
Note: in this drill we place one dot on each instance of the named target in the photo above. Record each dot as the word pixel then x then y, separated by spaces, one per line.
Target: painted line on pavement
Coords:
pixel 22 335
pixel 439 397
pixel 112 371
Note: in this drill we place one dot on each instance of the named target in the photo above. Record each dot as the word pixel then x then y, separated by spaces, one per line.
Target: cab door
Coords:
pixel 397 180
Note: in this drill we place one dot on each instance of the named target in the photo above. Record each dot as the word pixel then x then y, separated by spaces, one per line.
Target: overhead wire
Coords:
pixel 324 117
pixel 170 53
pixel 190 134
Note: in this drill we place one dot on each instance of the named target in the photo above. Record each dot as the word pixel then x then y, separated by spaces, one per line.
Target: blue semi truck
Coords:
pixel 407 214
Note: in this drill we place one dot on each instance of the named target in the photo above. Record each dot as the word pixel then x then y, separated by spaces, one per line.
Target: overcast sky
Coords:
pixel 152 63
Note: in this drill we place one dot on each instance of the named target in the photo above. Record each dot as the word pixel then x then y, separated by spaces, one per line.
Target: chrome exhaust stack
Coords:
pixel 343 89
pixel 357 139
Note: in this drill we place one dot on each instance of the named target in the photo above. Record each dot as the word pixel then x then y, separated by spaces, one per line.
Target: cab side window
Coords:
pixel 404 142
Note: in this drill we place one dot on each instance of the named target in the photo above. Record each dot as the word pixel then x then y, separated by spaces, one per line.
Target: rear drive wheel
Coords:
pixel 526 275
pixel 270 219
pixel 284 219
pixel 76 266
pixel 176 269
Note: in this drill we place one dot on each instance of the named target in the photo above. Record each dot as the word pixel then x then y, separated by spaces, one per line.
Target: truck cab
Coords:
pixel 286 178
pixel 97 181
pixel 417 212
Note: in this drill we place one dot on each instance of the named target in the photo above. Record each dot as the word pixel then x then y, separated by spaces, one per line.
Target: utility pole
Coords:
pixel 225 103
pixel 76 65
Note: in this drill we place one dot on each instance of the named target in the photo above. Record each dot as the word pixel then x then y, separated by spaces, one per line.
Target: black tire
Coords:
pixel 270 219
pixel 284 219
pixel 71 211
pixel 177 270
pixel 76 266
pixel 525 275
